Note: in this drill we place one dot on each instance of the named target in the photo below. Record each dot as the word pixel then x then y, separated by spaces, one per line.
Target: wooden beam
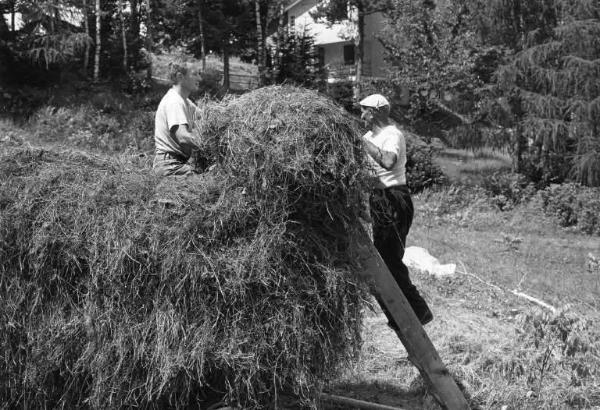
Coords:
pixel 348 402
pixel 421 351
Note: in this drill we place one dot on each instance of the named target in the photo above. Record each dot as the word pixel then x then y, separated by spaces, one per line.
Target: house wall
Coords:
pixel 334 53
pixel 374 52
pixel 333 38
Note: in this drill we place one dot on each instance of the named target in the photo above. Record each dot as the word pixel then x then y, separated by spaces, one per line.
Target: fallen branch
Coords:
pixel 534 300
pixel 514 292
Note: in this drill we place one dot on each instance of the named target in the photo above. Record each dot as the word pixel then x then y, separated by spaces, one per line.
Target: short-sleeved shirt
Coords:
pixel 389 139
pixel 173 110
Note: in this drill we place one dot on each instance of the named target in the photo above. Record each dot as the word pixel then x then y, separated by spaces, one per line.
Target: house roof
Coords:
pixel 292 4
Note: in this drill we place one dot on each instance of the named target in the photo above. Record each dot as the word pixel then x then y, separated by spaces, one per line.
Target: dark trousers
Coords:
pixel 392 212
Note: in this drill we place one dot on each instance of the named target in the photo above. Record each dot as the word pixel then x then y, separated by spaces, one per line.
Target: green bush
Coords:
pixel 507 189
pixel 210 83
pixel 88 127
pixel 573 205
pixel 21 102
pixel 341 92
pixel 421 171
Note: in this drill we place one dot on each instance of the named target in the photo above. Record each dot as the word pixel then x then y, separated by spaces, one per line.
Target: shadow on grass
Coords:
pixel 416 396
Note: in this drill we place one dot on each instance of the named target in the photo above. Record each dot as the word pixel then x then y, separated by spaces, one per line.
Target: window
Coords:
pixel 321 56
pixel 349 54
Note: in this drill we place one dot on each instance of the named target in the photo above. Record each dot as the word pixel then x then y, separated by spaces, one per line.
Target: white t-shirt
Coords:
pixel 389 139
pixel 173 110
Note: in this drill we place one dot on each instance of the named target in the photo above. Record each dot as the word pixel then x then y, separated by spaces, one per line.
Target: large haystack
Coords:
pixel 117 289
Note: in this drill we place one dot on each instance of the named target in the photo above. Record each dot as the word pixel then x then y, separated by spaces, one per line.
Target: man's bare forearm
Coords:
pixel 384 158
pixel 185 138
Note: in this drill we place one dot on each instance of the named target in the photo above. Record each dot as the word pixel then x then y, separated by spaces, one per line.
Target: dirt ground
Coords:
pixel 465 311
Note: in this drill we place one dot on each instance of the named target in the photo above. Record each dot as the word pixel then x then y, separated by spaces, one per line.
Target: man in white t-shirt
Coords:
pixel 174 123
pixel 391 205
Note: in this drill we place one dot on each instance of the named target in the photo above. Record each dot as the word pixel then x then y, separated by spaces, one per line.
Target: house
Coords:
pixel 335 43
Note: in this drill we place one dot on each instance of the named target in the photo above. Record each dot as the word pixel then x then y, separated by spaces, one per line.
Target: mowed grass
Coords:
pixel 470 167
pixel 518 249
pixel 481 330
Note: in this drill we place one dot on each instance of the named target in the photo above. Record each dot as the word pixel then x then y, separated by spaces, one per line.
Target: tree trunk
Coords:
pixel 123 35
pixel 134 30
pixel 149 27
pixel 359 50
pixel 98 42
pixel 12 16
pixel 202 39
pixel 518 148
pixel 280 41
pixel 86 25
pixel 261 45
pixel 226 67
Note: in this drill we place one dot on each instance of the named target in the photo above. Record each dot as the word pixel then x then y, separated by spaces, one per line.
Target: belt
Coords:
pixel 170 155
pixel 392 188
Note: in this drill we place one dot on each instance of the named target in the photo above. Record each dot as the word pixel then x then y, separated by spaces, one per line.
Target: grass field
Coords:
pixel 469 167
pixel 483 331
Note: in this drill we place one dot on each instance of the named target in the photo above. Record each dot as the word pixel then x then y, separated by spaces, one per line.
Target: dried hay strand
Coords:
pixel 118 289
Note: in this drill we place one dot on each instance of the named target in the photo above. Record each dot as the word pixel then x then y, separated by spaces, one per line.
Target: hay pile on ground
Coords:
pixel 117 289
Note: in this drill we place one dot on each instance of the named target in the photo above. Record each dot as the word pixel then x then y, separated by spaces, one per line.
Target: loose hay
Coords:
pixel 118 289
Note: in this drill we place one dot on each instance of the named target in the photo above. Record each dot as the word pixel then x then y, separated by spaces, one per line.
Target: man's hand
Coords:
pixel 182 135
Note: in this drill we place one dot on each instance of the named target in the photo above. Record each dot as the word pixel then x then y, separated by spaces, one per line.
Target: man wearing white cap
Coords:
pixel 391 205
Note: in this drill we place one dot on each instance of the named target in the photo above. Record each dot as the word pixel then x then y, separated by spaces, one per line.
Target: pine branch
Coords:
pixel 546 106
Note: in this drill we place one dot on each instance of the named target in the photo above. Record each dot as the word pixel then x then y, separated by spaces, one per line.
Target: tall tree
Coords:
pixel 149 25
pixel 86 25
pixel 229 29
pixel 261 46
pixel 557 85
pixel 98 45
pixel 433 51
pixel 123 34
pixel 13 12
pixel 48 35
pixel 201 35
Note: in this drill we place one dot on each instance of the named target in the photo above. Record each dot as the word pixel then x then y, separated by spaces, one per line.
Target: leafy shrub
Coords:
pixel 573 205
pixel 474 137
pixel 21 102
pixel 507 189
pixel 453 200
pixel 342 93
pixel 554 358
pixel 137 82
pixel 210 83
pixel 557 171
pixel 88 127
pixel 421 171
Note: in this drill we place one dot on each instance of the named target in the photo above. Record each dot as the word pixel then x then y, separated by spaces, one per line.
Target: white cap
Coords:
pixel 375 101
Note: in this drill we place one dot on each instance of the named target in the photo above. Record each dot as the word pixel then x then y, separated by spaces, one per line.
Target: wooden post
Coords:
pixel 421 351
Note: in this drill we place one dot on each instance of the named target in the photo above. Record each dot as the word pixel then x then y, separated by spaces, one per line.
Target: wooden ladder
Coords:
pixel 421 351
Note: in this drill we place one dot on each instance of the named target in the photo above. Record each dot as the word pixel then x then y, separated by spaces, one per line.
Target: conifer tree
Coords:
pixel 557 85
